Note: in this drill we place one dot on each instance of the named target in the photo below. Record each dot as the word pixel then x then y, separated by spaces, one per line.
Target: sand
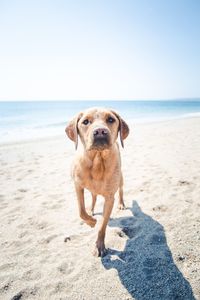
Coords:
pixel 154 245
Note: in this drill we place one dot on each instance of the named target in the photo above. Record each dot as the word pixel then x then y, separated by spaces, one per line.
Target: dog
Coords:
pixel 97 166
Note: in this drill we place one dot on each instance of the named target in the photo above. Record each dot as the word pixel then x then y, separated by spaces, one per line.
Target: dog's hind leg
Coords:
pixel 94 199
pixel 121 204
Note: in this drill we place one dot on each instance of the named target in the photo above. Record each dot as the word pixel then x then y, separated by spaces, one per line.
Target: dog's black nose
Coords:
pixel 100 132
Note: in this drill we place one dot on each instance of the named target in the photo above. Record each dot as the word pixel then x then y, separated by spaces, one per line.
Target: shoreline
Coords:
pixel 132 122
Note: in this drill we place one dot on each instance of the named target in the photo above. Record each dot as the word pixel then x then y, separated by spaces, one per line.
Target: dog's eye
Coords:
pixel 86 121
pixel 110 120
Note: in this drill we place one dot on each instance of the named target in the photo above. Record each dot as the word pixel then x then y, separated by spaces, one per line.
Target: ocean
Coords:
pixel 39 119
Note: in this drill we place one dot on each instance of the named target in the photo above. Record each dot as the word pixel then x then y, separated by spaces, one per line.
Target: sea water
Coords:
pixel 38 119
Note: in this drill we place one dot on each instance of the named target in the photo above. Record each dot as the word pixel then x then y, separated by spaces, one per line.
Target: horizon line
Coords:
pixel 111 100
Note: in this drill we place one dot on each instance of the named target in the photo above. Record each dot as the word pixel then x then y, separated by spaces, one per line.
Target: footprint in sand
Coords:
pixel 45 203
pixel 183 182
pixel 66 268
pixel 53 196
pixel 18 198
pixel 3 205
pixel 12 219
pixel 6 287
pixel 31 275
pixel 161 208
pixel 41 226
pixel 7 266
pixel 13 211
pixel 23 234
pixel 49 239
pixel 22 190
pixel 55 206
pixel 25 294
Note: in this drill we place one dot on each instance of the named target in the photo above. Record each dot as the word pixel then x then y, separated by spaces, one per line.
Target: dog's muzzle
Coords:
pixel 101 137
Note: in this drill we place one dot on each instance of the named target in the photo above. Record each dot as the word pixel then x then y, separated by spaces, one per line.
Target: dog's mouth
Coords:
pixel 100 143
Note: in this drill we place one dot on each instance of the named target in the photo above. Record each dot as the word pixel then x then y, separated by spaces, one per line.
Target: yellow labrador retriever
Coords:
pixel 97 166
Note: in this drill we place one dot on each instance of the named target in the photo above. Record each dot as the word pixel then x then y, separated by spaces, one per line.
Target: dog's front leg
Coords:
pixel 81 204
pixel 100 249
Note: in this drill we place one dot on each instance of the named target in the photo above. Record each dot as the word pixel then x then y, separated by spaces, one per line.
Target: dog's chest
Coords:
pixel 98 168
pixel 101 176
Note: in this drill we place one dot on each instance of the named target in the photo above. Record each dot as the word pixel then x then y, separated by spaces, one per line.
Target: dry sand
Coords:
pixel 154 245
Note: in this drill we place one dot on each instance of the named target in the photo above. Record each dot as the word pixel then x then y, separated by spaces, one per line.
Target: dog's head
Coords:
pixel 98 128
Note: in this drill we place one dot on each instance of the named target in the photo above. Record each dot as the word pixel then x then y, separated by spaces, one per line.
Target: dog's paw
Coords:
pixel 99 249
pixel 91 221
pixel 121 206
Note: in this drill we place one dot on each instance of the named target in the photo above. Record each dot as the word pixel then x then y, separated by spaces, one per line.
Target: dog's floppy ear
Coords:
pixel 72 130
pixel 123 128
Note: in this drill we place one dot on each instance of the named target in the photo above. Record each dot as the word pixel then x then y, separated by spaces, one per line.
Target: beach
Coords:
pixel 154 245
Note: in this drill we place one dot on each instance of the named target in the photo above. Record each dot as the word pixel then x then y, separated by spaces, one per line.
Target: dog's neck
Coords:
pixel 99 161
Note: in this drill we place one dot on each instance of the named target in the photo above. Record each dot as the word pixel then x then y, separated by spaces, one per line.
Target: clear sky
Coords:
pixel 105 49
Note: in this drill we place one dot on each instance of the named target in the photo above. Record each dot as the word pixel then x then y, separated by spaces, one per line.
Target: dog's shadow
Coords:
pixel 145 266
